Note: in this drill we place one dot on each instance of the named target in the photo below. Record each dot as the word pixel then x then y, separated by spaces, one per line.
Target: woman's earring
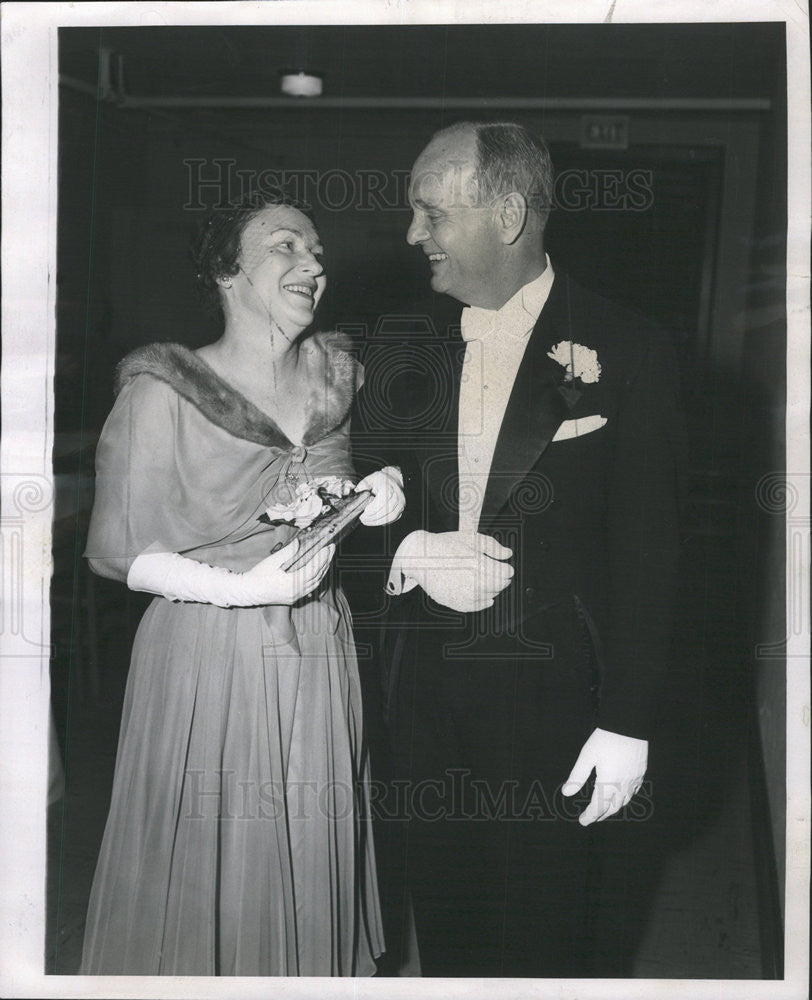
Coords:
pixel 226 282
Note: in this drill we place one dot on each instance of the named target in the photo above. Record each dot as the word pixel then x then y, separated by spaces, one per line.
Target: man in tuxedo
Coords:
pixel 533 586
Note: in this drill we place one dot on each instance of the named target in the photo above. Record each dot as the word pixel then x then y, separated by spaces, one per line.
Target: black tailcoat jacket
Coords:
pixel 592 519
pixel 488 711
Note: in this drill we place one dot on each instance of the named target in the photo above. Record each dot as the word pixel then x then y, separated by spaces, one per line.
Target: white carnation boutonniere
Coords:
pixel 579 362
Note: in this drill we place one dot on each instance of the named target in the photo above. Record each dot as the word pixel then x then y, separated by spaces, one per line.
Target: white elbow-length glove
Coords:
pixel 180 579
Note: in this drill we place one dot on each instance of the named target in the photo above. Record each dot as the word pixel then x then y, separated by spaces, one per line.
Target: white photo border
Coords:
pixel 29 182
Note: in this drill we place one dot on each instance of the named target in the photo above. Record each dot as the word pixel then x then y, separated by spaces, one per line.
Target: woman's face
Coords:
pixel 279 268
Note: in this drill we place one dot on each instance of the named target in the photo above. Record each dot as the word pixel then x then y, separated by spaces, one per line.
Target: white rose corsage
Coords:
pixel 311 500
pixel 578 361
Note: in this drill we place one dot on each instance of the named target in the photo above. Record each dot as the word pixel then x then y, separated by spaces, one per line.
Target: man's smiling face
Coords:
pixel 454 229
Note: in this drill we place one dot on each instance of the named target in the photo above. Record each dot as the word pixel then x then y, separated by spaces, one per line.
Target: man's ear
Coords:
pixel 511 216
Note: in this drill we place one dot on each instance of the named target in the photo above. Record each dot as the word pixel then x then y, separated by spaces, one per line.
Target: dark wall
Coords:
pixel 769 482
pixel 125 173
pixel 145 178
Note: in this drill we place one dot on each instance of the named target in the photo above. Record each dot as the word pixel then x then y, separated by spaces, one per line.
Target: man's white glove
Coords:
pixel 620 764
pixel 388 498
pixel 461 570
pixel 180 579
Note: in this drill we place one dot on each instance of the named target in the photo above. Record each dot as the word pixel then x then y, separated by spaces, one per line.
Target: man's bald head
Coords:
pixel 480 196
pixel 505 157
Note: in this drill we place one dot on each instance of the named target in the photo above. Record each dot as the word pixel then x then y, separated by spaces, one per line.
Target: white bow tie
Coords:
pixel 476 323
pixel 479 324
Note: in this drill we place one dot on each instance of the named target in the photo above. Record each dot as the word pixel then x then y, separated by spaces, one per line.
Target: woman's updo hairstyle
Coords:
pixel 216 248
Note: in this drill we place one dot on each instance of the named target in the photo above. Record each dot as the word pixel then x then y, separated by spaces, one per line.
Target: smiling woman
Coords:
pixel 263 240
pixel 234 843
pixel 269 285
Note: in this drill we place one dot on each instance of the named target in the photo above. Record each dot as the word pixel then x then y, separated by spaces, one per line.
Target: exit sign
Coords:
pixel 605 131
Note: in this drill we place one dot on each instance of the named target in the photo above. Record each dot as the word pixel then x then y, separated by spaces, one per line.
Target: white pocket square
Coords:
pixel 577 428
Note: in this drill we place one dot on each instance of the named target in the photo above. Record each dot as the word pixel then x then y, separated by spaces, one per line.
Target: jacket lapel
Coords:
pixel 536 407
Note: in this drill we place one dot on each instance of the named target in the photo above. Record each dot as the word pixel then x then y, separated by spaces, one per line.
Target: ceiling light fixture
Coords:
pixel 301 83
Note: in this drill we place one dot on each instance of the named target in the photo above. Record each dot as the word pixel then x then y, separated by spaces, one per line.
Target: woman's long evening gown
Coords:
pixel 238 840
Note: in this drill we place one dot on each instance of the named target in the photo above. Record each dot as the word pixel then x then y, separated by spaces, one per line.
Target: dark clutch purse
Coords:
pixel 329 528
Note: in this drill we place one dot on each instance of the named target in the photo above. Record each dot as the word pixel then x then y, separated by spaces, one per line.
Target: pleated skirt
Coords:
pixel 239 835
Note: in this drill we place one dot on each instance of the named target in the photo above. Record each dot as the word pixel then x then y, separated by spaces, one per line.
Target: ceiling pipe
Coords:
pixel 115 92
pixel 535 103
pixel 78 85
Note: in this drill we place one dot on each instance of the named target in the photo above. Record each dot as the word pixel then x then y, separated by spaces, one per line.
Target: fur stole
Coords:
pixel 334 376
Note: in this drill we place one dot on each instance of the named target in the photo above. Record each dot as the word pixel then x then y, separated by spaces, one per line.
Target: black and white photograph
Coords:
pixel 405 479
